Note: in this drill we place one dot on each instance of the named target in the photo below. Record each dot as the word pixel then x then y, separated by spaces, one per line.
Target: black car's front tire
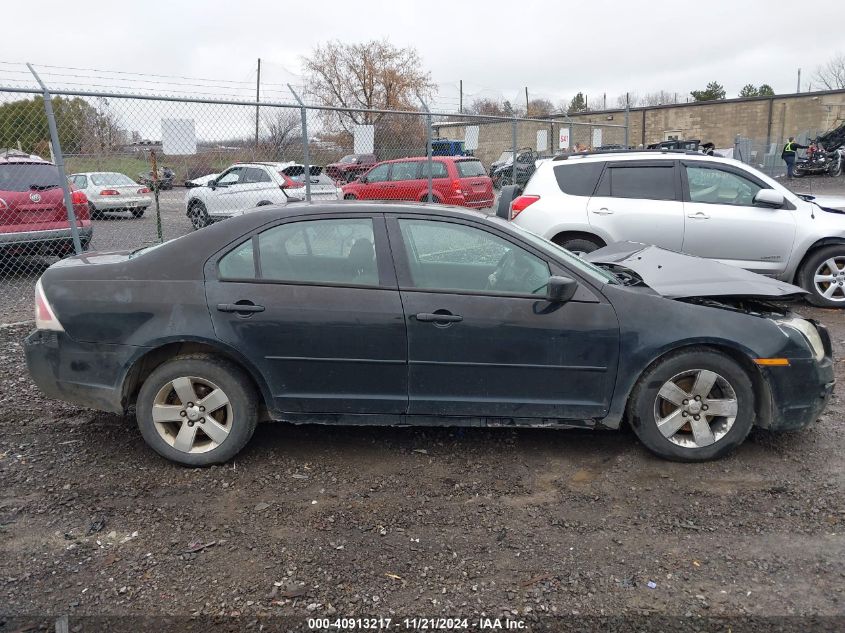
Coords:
pixel 197 410
pixel 693 405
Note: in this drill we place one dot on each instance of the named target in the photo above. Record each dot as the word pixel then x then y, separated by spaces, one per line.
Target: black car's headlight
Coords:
pixel 810 333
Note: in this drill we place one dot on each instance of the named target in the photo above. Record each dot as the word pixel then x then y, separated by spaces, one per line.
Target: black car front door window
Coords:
pixel 448 256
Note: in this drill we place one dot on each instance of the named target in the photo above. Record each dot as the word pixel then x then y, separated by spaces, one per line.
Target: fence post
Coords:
pixel 303 113
pixel 60 161
pixel 156 188
pixel 513 142
pixel 627 113
pixel 428 151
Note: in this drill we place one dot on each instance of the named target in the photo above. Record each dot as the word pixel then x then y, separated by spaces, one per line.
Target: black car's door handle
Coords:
pixel 239 307
pixel 439 318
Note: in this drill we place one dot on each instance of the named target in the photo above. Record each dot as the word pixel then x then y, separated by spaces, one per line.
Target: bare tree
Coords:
pixel 660 97
pixel 831 75
pixel 487 106
pixel 540 107
pixel 281 127
pixel 368 75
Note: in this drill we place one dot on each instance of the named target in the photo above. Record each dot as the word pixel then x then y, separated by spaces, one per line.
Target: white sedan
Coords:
pixel 110 191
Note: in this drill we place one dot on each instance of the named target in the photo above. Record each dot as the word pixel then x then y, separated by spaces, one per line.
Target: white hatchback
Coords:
pixel 109 191
pixel 247 185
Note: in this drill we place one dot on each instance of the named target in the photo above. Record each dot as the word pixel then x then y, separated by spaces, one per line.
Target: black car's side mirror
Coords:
pixel 560 289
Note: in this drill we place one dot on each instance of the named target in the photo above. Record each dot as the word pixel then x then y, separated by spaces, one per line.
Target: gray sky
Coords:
pixel 497 47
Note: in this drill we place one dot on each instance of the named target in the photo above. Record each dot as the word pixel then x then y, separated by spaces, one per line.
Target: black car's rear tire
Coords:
pixel 175 423
pixel 818 277
pixel 198 216
pixel 577 244
pixel 139 212
pixel 678 390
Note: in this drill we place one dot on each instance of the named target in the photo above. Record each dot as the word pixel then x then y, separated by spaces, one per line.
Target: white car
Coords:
pixel 247 185
pixel 109 191
pixel 201 181
pixel 713 207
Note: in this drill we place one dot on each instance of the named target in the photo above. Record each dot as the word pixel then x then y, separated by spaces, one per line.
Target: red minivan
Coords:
pixel 457 180
pixel 33 217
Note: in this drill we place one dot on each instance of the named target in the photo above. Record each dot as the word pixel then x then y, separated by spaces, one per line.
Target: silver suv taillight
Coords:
pixel 45 318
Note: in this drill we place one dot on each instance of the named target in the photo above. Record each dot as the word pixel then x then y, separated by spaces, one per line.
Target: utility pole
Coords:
pixel 799 81
pixel 257 99
pixel 461 96
pixel 526 100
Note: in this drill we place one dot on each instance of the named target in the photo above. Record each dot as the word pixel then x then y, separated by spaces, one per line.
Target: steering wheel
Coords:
pixel 515 272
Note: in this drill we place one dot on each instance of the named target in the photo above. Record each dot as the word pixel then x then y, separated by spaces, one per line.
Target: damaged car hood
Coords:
pixel 678 276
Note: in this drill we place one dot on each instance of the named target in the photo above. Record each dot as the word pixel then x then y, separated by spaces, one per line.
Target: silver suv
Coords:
pixel 708 206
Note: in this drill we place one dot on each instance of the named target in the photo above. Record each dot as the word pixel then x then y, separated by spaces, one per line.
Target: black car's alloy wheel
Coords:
pixel 693 405
pixel 197 410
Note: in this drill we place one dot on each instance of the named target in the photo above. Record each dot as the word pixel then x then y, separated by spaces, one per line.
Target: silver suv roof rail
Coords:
pixel 688 152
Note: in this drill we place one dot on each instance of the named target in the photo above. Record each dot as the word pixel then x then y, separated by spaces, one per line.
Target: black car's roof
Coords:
pixel 269 213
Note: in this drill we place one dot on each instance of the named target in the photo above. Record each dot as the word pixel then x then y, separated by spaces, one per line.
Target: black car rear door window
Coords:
pixel 331 251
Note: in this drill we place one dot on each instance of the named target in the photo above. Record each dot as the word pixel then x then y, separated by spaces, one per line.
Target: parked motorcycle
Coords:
pixel 825 155
pixel 818 161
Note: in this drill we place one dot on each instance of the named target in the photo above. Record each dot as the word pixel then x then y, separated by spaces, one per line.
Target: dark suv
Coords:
pixel 33 217
pixel 350 167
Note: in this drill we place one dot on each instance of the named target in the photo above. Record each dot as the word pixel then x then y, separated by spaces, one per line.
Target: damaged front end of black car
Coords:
pixel 794 375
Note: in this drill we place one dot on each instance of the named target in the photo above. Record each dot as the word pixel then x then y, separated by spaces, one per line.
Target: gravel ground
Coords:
pixel 322 521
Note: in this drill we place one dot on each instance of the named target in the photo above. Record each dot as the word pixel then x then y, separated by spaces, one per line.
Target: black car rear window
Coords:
pixel 470 168
pixel 578 180
pixel 28 177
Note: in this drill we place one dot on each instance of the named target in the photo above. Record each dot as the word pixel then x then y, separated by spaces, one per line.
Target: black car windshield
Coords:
pixel 28 177
pixel 590 270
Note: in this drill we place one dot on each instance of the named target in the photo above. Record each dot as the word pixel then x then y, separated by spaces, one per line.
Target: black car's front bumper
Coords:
pixel 799 392
pixel 87 374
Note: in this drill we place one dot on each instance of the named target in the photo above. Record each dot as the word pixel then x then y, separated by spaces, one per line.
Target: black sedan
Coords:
pixel 408 314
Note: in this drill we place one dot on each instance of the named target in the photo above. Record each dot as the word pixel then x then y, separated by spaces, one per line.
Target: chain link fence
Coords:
pixel 84 170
